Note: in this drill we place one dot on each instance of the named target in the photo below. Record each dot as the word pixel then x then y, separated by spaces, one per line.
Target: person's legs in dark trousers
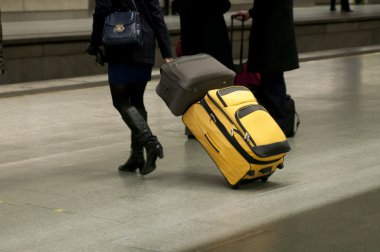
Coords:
pixel 332 5
pixel 273 96
pixel 128 100
pixel 345 5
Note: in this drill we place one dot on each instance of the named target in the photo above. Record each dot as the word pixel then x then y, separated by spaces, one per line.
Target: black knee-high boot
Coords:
pixel 144 136
pixel 136 158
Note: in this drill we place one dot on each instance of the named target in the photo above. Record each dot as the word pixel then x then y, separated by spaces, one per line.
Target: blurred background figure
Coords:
pixel 272 51
pixel 204 30
pixel 345 5
pixel 2 65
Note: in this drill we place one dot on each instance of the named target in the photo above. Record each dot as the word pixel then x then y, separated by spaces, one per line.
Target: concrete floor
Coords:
pixel 60 189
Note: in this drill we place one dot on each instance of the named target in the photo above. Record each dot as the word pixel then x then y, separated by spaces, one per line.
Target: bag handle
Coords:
pixel 241 38
pixel 134 4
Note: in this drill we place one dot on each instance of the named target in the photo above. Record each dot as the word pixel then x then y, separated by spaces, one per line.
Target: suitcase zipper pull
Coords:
pixel 213 117
pixel 247 137
pixel 232 132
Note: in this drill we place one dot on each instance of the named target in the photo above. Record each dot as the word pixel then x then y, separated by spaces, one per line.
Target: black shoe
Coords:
pixel 134 162
pixel 153 150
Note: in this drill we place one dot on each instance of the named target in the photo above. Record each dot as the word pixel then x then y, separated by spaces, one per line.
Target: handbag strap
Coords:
pixel 134 4
pixel 125 6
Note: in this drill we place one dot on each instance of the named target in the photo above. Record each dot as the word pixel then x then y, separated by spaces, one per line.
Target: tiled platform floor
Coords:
pixel 60 189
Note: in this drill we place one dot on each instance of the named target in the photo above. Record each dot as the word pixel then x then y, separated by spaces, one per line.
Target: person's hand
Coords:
pixel 97 52
pixel 168 60
pixel 92 50
pixel 99 61
pixel 242 15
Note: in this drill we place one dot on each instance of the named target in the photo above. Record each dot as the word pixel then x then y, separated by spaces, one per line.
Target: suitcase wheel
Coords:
pixel 264 179
pixel 190 137
pixel 235 187
pixel 280 166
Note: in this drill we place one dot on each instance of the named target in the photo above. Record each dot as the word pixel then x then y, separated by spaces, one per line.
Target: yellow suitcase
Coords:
pixel 240 136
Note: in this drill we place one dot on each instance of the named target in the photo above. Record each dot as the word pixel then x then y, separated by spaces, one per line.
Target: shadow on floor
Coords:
pixel 321 229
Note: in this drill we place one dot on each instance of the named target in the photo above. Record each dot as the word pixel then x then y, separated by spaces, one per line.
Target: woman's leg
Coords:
pixel 121 101
pixel 137 99
pixel 122 97
pixel 136 159
pixel 154 148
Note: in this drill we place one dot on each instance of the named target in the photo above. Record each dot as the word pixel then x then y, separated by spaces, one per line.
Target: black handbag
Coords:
pixel 122 28
pixel 292 118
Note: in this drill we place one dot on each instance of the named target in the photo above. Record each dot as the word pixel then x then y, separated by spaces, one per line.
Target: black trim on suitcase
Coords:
pixel 232 139
pixel 220 98
pixel 272 149
pixel 248 110
pixel 231 89
pixel 227 91
pixel 217 105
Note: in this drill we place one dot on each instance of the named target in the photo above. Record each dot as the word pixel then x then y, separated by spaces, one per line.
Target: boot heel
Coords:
pixel 160 151
pixel 153 150
pixel 133 163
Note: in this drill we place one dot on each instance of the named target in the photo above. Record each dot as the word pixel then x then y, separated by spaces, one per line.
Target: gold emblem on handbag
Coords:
pixel 119 28
pixel 122 27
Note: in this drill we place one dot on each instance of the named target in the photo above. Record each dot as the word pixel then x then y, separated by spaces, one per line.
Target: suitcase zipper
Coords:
pixel 244 136
pixel 229 119
pixel 217 105
pixel 247 136
pixel 213 146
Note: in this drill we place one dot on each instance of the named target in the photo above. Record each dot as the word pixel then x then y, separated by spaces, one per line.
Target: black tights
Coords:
pixel 124 96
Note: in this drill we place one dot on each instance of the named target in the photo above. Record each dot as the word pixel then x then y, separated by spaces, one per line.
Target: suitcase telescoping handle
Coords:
pixel 241 38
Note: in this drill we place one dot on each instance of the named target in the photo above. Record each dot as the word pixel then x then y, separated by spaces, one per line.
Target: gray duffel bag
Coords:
pixel 186 80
